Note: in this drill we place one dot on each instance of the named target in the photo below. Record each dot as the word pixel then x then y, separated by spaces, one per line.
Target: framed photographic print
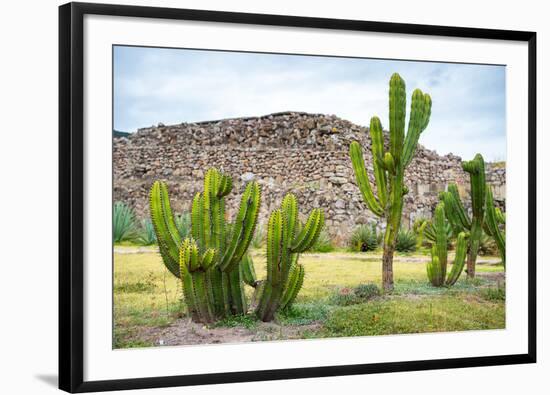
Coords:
pixel 251 197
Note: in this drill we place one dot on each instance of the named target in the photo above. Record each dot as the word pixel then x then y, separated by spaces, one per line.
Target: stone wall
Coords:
pixel 306 154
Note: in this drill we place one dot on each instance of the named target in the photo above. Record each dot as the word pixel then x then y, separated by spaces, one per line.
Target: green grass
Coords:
pixel 440 313
pixel 146 295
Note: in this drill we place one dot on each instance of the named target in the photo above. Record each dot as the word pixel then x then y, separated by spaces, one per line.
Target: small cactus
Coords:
pixel 457 216
pixel 437 267
pixel 285 242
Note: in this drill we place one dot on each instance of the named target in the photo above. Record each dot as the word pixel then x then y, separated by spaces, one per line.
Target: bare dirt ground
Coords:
pixel 186 332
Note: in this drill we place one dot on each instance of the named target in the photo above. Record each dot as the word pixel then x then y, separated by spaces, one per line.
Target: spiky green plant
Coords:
pixel 493 219
pixel 124 223
pixel 323 243
pixel 437 267
pixel 147 234
pixel 406 241
pixel 223 277
pixel 285 275
pixel 389 166
pixel 456 214
pixel 364 238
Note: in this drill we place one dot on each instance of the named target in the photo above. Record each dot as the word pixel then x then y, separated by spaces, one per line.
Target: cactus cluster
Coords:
pixel 284 244
pixel 437 267
pixel 212 262
pixel 390 165
pixel 485 217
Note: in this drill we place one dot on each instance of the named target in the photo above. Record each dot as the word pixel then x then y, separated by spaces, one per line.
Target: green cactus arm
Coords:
pixel 194 260
pixel 248 271
pixel 243 228
pixel 289 207
pixel 377 139
pixel 418 121
pixel 363 182
pixel 197 218
pixel 389 163
pixel 310 232
pixel 460 259
pixel 274 247
pixel 168 241
pixel 238 298
pixel 225 185
pixel 187 281
pixel 455 210
pixel 476 169
pixel 207 259
pixel 209 193
pixel 202 299
pixel 458 207
pixel 434 268
pixel 491 221
pixel 441 237
pixel 398 102
pixel 295 282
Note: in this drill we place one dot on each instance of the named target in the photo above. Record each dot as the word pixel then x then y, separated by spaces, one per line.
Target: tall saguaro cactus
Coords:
pixel 456 214
pixel 222 277
pixel 437 267
pixel 494 218
pixel 389 166
pixel 284 244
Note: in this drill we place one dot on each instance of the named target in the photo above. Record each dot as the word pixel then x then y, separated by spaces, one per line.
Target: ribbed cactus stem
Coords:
pixel 493 218
pixel 284 274
pixel 389 167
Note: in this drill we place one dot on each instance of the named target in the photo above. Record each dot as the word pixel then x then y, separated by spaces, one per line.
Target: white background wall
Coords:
pixel 28 195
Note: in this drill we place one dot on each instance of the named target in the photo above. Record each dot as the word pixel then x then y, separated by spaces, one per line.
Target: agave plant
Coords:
pixel 124 223
pixel 364 238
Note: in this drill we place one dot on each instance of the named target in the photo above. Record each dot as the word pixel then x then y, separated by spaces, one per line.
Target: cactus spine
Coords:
pixel 437 267
pixel 285 275
pixel 493 219
pixel 222 278
pixel 457 216
pixel 389 167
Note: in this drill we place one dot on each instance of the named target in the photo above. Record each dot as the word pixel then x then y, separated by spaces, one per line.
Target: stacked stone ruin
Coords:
pixel 306 154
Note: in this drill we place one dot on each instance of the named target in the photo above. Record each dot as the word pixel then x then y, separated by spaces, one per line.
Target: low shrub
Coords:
pixel 323 243
pixel 495 294
pixel 367 291
pixel 124 223
pixel 147 234
pixel 487 245
pixel 364 238
pixel 360 294
pixel 406 241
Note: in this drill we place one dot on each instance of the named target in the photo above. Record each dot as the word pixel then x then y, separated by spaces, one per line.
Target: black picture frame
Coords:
pixel 71 198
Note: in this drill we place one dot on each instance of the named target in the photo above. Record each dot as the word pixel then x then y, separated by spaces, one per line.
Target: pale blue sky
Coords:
pixel 171 86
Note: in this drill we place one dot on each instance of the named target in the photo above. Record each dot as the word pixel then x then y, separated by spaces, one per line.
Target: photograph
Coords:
pixel 286 197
